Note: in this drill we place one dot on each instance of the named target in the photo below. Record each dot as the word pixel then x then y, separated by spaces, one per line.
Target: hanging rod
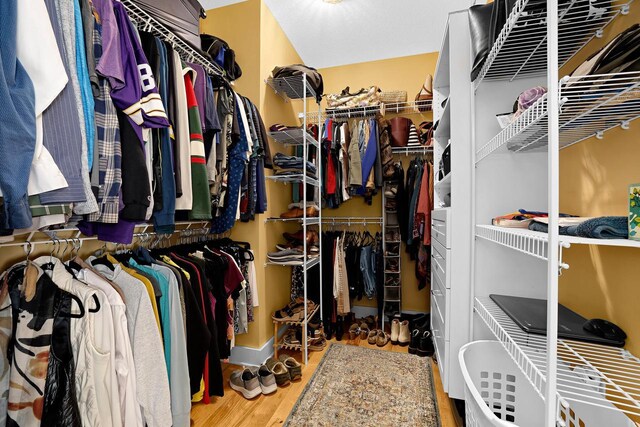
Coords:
pixel 148 23
pixel 406 151
pixel 52 235
pixel 378 110
pixel 349 220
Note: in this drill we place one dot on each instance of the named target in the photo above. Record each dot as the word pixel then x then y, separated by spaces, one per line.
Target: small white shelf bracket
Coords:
pixel 625 125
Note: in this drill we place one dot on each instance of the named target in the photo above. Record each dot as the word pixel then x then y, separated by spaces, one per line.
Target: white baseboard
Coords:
pixel 249 356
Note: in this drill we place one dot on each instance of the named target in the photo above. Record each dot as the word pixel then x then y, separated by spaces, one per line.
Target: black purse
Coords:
pixel 479 25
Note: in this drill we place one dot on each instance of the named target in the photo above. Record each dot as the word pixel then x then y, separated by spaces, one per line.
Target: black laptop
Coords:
pixel 531 316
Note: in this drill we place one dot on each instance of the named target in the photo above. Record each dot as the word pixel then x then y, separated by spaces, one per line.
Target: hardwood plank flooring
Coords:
pixel 233 410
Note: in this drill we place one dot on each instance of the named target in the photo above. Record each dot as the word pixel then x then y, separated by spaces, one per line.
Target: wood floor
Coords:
pixel 233 410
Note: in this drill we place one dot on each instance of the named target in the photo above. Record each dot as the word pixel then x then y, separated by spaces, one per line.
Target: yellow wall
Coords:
pixel 260 44
pixel 594 176
pixel 404 73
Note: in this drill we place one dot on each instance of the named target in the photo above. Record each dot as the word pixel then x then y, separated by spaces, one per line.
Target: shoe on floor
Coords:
pixel 415 341
pixel 280 372
pixel 382 339
pixel 426 345
pixel 364 331
pixel 267 380
pixel 293 366
pixel 245 382
pixel 373 336
pixel 404 336
pixel 395 331
pixel 354 331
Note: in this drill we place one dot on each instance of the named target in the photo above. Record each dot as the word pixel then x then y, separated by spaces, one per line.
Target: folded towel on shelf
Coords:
pixel 606 227
pixel 544 228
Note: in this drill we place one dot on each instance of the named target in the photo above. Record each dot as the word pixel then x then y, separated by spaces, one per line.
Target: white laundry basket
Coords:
pixel 498 394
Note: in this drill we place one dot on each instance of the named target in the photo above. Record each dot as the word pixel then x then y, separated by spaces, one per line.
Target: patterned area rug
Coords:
pixel 359 386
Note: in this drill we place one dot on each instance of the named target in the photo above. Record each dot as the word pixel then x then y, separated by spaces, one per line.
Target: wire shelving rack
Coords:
pixel 298 87
pixel 589 105
pixel 521 47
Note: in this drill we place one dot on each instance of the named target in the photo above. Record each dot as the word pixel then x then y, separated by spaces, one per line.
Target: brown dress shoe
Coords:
pixel 292 213
pixel 312 211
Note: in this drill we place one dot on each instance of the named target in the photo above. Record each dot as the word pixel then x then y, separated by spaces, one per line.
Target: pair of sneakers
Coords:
pixel 285 369
pixel 252 382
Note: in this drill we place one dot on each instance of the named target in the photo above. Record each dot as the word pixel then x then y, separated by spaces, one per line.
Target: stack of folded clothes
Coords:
pixel 292 165
pixel 291 253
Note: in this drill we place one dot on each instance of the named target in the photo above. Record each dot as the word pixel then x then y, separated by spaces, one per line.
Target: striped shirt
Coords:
pixel 201 208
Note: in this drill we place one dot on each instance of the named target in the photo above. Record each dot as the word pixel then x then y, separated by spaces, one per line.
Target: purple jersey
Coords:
pixel 139 97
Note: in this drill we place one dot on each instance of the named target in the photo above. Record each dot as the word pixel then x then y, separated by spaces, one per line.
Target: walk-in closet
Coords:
pixel 250 213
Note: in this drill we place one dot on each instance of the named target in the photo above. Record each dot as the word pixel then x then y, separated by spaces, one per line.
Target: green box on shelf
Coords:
pixel 634 211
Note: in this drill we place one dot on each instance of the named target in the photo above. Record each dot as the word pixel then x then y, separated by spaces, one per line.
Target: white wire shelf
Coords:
pixel 310 315
pixel 292 179
pixel 378 110
pixel 589 105
pixel 407 151
pixel 310 220
pixel 535 243
pixel 294 136
pixel 291 87
pixel 311 262
pixel 613 373
pixel 521 48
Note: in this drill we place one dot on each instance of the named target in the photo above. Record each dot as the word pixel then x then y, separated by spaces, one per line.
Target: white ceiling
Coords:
pixel 212 4
pixel 327 35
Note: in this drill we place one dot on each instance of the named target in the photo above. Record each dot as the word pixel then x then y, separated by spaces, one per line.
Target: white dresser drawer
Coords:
pixel 440 263
pixel 440 220
pixel 441 296
pixel 441 346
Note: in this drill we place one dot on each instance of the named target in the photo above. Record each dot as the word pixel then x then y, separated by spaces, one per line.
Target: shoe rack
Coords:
pixel 391 244
pixel 292 88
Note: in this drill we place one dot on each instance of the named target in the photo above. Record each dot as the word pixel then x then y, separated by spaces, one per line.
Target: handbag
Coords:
pixel 479 25
pixel 445 162
pixel 622 54
pixel 400 131
pixel 425 129
pixel 386 154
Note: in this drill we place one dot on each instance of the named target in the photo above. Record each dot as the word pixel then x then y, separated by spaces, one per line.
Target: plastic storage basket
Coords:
pixel 498 394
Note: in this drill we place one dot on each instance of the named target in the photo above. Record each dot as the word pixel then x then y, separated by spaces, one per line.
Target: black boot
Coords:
pixel 426 345
pixel 339 328
pixel 415 341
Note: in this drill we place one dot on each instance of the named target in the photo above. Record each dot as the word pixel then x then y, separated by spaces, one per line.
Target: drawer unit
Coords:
pixel 440 220
pixel 440 263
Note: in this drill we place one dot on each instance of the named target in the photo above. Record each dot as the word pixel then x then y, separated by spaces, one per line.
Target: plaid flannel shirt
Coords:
pixel 109 149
